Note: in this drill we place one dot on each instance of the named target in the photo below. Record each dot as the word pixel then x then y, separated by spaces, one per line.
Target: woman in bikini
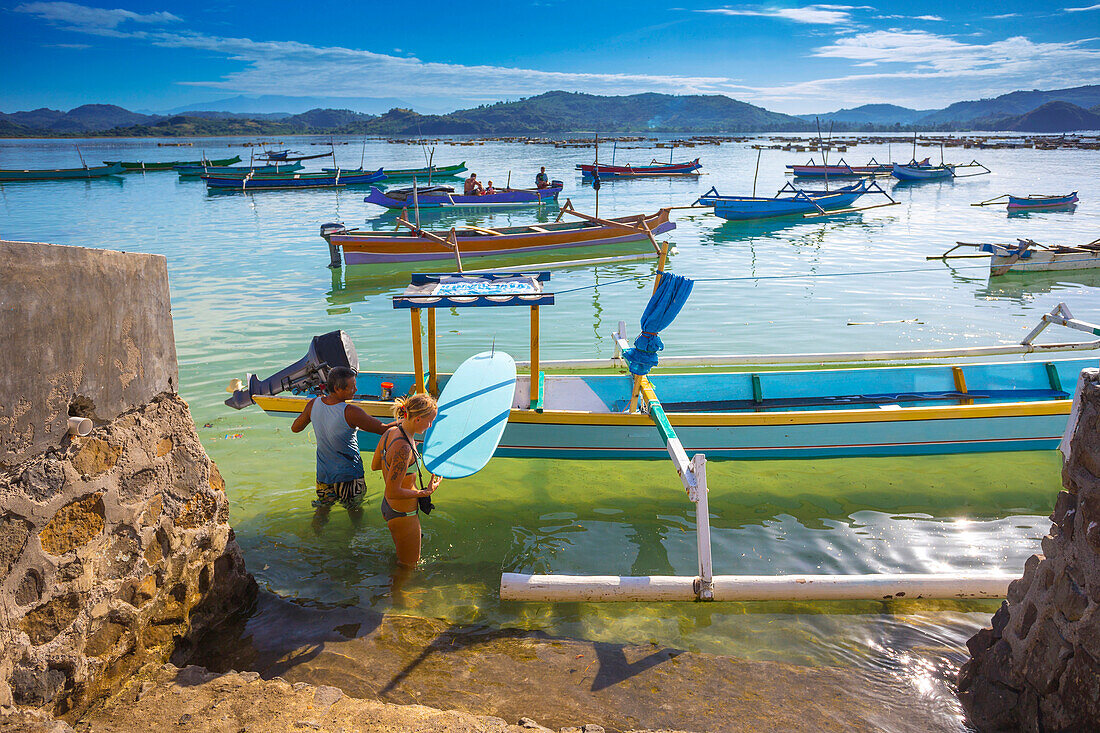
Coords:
pixel 399 460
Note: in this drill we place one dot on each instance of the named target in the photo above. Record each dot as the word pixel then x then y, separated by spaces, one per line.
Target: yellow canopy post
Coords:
pixel 536 382
pixel 418 354
pixel 433 380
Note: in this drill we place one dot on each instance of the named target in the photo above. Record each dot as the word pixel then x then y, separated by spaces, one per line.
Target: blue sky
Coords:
pixel 788 57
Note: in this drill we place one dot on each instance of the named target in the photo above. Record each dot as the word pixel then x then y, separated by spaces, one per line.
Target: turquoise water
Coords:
pixel 250 287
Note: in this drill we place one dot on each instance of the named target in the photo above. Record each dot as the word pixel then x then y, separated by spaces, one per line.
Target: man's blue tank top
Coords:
pixel 338 457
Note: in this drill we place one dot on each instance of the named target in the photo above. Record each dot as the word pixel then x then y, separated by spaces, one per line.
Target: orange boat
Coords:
pixel 412 244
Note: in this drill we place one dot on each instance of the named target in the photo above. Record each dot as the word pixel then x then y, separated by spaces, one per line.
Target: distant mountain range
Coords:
pixel 1059 110
pixel 284 106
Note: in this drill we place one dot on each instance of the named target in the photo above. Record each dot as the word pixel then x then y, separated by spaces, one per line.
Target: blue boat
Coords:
pixel 444 197
pixel 272 181
pixel 788 201
pixel 742 407
pixel 925 171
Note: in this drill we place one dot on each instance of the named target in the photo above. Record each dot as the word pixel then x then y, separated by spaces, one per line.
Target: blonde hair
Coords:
pixel 413 407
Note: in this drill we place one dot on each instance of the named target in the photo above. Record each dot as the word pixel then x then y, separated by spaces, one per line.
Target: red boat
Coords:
pixel 629 171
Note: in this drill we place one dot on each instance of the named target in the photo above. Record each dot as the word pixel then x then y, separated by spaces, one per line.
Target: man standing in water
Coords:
pixel 340 476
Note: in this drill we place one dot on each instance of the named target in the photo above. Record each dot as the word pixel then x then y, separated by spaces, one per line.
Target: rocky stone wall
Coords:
pixel 1038 667
pixel 115 548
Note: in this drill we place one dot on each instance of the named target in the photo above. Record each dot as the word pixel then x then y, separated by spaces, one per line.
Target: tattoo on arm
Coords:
pixel 398 463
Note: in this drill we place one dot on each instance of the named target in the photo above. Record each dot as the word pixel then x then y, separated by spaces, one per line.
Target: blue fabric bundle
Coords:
pixel 669 297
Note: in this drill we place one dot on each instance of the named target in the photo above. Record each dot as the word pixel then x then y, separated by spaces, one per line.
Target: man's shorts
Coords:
pixel 348 493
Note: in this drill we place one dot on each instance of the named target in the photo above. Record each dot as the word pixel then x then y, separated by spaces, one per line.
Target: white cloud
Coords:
pixel 88 19
pixel 811 14
pixel 927 17
pixel 1081 10
pixel 1004 15
pixel 909 67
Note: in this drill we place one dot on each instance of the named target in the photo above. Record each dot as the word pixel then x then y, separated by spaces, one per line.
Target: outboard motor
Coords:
pixel 556 184
pixel 328 230
pixel 309 373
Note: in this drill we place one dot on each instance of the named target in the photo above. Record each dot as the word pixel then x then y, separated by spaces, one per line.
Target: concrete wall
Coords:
pixel 89 325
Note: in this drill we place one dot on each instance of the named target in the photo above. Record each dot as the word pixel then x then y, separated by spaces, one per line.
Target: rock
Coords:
pixel 95 456
pixel 36 686
pixel 530 724
pixel 30 589
pixel 74 525
pixel 164 446
pixel 43 480
pixel 325 696
pixel 1036 668
pixel 45 622
pixel 14 531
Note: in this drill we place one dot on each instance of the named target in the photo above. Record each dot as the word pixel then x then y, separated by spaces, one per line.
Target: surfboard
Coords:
pixel 473 411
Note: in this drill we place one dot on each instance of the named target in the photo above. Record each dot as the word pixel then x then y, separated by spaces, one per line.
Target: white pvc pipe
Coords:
pixel 602 588
pixel 80 426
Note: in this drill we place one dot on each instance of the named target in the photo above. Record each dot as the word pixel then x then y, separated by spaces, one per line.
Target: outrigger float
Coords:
pixel 879 410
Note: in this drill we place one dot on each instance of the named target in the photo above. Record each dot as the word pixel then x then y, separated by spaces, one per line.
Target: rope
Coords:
pixel 800 275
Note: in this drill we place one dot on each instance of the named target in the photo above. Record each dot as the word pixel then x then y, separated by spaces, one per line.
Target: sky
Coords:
pixel 786 56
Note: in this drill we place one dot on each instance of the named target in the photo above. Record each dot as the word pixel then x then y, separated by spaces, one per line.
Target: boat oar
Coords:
pixel 991 201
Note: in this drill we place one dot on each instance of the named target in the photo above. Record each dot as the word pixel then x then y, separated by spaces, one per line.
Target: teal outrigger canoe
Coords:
pixel 435 171
pixel 167 165
pixel 60 174
pixel 774 411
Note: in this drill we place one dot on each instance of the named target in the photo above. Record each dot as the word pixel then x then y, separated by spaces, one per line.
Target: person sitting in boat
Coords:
pixel 340 476
pixel 541 179
pixel 489 189
pixel 473 186
pixel 399 461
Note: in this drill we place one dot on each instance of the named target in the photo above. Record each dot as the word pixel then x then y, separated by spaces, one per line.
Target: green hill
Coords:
pixel 1050 117
pixel 574 112
pixel 1013 103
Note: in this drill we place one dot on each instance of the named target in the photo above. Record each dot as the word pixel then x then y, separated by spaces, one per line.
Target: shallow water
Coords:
pixel 250 287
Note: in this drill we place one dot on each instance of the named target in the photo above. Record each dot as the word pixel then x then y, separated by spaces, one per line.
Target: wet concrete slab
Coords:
pixel 558 682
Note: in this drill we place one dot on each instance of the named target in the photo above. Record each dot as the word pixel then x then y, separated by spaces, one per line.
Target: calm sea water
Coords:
pixel 250 287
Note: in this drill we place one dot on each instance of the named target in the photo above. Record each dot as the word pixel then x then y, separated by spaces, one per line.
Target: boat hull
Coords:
pixel 60 174
pixel 388 247
pixel 922 173
pixel 1025 203
pixel 740 208
pixel 837 171
pixel 225 171
pixel 627 171
pixel 140 166
pixel 435 171
pixel 584 415
pixel 511 197
pixel 271 181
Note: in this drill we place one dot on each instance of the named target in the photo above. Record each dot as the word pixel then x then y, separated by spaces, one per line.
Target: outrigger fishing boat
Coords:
pixel 444 197
pixel 1032 202
pixel 143 166
pixel 60 174
pixel 791 201
pixel 925 171
pixel 290 156
pixel 410 243
pixel 1030 256
pixel 270 181
pixel 757 409
pixel 426 173
pixel 840 170
pixel 601 170
pixel 240 171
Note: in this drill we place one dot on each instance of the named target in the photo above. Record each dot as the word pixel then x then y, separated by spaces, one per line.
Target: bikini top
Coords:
pixel 415 466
